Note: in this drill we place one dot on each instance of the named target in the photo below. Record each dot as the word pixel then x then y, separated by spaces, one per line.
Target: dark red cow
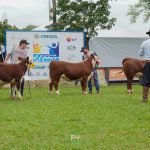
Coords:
pixel 131 67
pixel 13 73
pixel 72 71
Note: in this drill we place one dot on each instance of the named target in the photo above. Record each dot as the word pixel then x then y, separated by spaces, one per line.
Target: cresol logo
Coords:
pixel 46 36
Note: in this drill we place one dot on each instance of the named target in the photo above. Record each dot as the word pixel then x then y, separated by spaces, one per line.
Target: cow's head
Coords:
pixel 24 60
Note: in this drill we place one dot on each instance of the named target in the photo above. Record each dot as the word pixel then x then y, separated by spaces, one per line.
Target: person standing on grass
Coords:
pixel 145 52
pixel 87 54
pixel 13 54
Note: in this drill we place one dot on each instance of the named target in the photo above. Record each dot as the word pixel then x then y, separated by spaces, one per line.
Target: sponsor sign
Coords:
pixel 45 47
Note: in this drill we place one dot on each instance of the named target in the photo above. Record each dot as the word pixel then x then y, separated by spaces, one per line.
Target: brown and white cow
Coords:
pixel 131 67
pixel 13 73
pixel 72 71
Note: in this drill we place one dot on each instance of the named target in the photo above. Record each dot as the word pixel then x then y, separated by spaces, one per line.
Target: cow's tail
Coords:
pixel 123 63
pixel 120 71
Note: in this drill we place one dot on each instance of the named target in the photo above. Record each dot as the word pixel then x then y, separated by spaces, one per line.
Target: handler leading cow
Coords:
pixel 145 52
pixel 72 71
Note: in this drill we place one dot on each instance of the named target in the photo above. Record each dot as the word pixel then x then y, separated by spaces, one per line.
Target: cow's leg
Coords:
pixel 81 81
pixel 13 90
pixel 129 85
pixel 18 90
pixel 51 87
pixel 83 84
pixel 51 83
pixel 130 76
pixel 56 85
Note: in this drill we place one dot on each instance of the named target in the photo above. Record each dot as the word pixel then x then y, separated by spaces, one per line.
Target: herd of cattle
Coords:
pixel 13 73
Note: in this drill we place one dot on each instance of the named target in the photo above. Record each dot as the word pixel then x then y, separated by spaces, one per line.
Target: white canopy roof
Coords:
pixel 119 32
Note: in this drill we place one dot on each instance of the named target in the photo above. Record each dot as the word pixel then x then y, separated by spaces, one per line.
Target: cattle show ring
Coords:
pixel 56 110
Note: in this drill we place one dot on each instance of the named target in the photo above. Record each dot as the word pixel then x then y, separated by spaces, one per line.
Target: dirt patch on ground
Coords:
pixel 45 83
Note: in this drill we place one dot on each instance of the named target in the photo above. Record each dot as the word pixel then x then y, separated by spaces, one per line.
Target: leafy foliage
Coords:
pixel 5 26
pixel 83 15
pixel 30 27
pixel 140 8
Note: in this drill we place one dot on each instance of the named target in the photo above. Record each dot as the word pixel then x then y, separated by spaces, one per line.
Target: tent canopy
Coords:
pixel 112 50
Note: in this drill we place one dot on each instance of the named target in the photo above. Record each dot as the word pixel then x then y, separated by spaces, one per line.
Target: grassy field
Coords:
pixel 111 120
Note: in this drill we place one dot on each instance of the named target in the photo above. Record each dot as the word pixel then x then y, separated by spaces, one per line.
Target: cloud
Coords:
pixel 24 12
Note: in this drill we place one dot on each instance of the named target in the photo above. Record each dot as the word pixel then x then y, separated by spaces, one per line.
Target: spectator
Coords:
pixel 145 52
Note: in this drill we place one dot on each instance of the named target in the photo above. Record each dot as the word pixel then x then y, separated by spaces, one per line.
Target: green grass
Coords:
pixel 111 120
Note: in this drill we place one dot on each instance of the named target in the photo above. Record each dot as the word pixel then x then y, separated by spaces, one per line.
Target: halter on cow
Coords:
pixel 132 66
pixel 13 73
pixel 72 71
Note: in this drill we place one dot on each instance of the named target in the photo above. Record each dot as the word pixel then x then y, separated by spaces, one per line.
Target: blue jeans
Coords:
pixel 96 82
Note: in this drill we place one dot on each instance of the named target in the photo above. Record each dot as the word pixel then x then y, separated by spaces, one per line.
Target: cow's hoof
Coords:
pixel 144 100
pixel 57 92
pixel 85 92
pixel 50 92
pixel 130 91
pixel 20 97
pixel 13 97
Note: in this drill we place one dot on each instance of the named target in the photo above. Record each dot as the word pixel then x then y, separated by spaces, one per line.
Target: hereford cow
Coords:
pixel 132 66
pixel 13 73
pixel 72 71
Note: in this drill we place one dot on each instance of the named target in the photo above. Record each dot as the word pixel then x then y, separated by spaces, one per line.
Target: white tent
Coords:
pixel 39 28
pixel 119 32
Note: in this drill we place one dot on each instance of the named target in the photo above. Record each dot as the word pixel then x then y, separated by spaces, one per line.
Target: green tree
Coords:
pixel 88 16
pixel 5 26
pixel 29 27
pixel 142 7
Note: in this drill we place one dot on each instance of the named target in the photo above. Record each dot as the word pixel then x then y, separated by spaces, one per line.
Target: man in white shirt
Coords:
pixel 145 52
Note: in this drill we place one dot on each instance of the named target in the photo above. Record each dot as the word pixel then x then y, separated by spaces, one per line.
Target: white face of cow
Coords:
pixel 94 60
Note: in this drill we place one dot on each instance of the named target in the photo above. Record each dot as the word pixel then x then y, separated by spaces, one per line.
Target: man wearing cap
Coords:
pixel 145 52
pixel 87 54
pixel 16 52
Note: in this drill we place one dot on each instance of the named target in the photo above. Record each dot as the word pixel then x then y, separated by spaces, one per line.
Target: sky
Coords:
pixel 24 12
